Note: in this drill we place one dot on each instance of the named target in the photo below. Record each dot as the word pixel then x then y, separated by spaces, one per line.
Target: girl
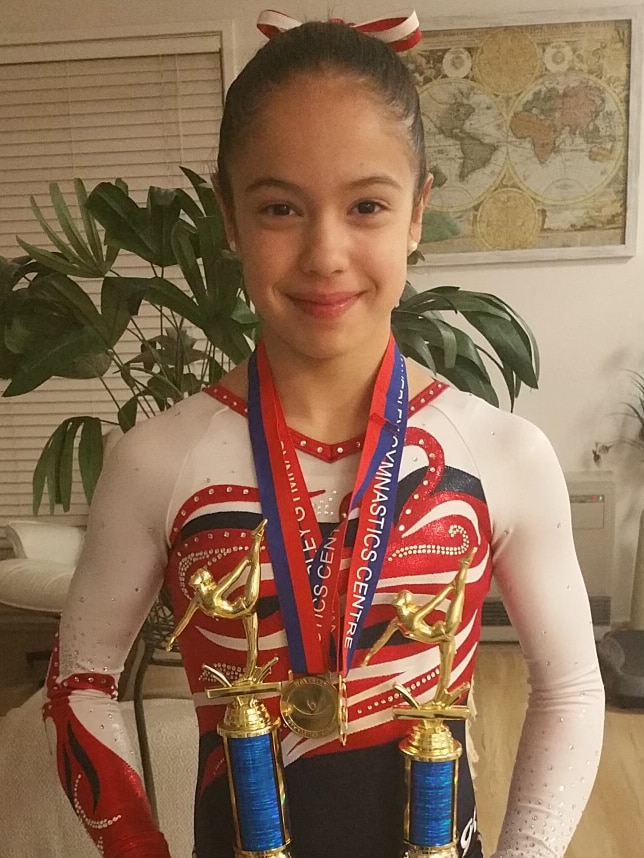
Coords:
pixel 322 178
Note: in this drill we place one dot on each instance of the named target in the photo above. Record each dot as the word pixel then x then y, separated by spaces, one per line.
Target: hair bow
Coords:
pixel 400 34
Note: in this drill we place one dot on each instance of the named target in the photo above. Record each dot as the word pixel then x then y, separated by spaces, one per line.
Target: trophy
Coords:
pixel 430 752
pixel 250 736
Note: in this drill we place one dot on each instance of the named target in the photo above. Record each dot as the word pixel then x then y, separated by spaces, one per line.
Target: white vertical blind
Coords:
pixel 136 115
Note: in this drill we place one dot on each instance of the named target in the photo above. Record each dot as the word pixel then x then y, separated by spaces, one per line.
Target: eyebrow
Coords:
pixel 270 182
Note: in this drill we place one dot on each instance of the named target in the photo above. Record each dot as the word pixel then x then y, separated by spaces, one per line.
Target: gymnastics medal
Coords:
pixel 250 736
pixel 430 751
pixel 309 706
pixel 306 567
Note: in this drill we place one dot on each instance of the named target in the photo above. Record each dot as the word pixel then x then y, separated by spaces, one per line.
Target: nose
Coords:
pixel 324 247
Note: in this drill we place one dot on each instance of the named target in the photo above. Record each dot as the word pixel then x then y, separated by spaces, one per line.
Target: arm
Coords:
pixel 117 580
pixel 543 590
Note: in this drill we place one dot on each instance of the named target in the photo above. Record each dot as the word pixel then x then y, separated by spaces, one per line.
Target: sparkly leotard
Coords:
pixel 180 492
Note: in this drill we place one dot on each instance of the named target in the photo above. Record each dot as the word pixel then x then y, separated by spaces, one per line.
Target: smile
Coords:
pixel 326 306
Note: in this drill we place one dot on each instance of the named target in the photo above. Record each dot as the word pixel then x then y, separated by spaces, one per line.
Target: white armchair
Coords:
pixel 34 583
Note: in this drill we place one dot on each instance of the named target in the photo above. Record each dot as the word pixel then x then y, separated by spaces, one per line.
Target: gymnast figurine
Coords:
pixel 410 621
pixel 210 596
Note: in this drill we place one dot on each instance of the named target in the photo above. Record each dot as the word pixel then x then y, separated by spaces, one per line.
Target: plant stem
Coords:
pixel 109 392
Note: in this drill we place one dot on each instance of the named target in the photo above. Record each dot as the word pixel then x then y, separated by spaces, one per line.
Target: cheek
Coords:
pixel 387 263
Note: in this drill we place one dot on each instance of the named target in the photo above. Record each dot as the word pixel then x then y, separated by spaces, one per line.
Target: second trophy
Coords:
pixel 430 751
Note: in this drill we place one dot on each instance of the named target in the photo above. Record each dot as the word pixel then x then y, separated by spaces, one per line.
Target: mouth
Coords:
pixel 326 305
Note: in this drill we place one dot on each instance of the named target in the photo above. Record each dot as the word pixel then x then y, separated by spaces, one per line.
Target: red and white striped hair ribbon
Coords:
pixel 400 34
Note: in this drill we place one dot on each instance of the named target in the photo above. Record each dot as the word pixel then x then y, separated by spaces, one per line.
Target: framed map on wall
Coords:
pixel 532 133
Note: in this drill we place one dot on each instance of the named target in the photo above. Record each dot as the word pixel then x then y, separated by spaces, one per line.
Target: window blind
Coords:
pixel 136 110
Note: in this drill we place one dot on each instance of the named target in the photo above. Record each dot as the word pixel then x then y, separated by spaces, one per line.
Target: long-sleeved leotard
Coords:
pixel 180 492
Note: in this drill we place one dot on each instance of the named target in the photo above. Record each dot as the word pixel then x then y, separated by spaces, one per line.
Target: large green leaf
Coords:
pixel 70 229
pixel 54 261
pixel 126 415
pixel 504 336
pixel 161 293
pixel 189 206
pixel 212 241
pixel 205 192
pixel 93 237
pixel 75 256
pixel 90 455
pixel 163 209
pixel 228 285
pixel 52 453
pixel 134 290
pixel 463 378
pixel 76 301
pixel 114 309
pixel 66 462
pixel 53 359
pixel 126 225
pixel 243 314
pixel 187 260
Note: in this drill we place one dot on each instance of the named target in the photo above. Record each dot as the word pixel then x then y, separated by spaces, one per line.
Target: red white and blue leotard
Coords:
pixel 179 492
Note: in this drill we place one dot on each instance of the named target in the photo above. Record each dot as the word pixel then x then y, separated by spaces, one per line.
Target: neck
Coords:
pixel 326 399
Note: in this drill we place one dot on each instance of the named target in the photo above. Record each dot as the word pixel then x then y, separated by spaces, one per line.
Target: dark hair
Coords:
pixel 319 47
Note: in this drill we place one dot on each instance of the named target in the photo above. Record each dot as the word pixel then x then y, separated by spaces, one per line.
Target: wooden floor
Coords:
pixel 613 823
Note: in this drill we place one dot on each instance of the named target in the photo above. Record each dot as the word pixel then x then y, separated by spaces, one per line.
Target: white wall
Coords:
pixel 588 317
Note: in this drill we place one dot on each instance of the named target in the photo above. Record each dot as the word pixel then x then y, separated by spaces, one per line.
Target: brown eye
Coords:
pixel 279 209
pixel 368 207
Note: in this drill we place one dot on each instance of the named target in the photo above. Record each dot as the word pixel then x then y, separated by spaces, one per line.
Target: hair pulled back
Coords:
pixel 318 47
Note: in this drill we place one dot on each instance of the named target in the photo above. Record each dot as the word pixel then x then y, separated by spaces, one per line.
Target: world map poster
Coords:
pixel 527 133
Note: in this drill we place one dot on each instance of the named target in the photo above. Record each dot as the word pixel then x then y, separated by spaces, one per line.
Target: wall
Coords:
pixel 587 317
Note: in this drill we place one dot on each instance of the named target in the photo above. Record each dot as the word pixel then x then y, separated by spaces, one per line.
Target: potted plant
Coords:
pixel 51 327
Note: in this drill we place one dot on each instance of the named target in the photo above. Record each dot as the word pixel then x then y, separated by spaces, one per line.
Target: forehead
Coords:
pixel 322 124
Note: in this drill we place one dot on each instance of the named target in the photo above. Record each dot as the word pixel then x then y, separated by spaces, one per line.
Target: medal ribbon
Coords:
pixel 306 567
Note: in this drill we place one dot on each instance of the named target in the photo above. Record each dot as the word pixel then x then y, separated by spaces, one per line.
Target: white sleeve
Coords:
pixel 537 571
pixel 118 577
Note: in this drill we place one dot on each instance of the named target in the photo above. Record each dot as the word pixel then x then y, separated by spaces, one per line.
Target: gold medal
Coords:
pixel 309 706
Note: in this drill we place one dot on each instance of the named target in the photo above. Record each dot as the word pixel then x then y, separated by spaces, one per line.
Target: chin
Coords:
pixel 328 345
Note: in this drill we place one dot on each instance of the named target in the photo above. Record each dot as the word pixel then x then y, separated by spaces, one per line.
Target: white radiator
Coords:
pixel 592 504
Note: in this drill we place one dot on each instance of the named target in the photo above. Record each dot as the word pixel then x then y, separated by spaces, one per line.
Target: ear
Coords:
pixel 416 226
pixel 226 212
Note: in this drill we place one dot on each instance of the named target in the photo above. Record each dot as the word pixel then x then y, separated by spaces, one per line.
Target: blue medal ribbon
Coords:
pixel 376 486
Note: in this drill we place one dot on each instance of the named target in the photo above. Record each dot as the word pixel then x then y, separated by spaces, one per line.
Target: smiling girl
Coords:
pixel 323 183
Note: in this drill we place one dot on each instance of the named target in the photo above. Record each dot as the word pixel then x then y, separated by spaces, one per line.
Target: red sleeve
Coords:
pixel 104 789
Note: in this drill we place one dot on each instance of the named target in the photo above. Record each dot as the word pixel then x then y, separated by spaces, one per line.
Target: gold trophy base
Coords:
pixel 449 851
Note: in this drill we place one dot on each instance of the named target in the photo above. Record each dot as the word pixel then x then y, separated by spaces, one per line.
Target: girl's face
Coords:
pixel 324 215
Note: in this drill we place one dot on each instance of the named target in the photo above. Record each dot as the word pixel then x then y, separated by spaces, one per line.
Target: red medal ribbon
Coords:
pixel 299 542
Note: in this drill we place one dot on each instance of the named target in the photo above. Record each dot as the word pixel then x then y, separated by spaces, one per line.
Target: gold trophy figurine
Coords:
pixel 250 736
pixel 430 751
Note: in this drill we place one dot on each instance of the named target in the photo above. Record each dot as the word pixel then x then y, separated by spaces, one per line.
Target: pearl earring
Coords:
pixel 413 247
pixel 233 245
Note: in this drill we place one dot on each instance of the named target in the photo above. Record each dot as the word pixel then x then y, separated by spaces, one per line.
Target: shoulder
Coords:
pixel 150 455
pixel 515 460
pixel 486 428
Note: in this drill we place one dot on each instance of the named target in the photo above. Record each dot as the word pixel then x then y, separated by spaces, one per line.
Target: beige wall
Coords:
pixel 587 317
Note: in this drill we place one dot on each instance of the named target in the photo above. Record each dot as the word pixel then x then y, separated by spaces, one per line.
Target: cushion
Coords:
pixel 44 540
pixel 34 585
